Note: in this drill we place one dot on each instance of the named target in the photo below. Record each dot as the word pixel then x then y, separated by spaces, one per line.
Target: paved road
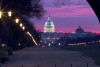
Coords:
pixel 48 57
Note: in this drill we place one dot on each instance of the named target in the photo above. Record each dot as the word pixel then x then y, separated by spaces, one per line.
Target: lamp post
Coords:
pixel 21 25
pixel 10 41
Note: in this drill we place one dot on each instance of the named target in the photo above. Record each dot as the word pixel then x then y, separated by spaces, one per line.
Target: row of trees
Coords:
pixel 10 32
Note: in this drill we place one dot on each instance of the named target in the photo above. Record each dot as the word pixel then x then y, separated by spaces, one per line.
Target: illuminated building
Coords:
pixel 79 37
pixel 79 32
pixel 49 36
pixel 74 44
pixel 49 26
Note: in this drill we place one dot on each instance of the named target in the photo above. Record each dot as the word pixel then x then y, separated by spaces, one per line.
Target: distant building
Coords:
pixel 49 36
pixel 49 26
pixel 79 32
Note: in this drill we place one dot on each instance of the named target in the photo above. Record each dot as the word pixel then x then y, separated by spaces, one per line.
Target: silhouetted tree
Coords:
pixel 22 9
pixel 30 8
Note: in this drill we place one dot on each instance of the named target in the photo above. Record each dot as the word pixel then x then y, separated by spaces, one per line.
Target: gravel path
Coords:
pixel 48 57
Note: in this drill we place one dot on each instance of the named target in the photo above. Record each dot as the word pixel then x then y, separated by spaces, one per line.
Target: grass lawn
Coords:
pixel 92 51
pixel 94 54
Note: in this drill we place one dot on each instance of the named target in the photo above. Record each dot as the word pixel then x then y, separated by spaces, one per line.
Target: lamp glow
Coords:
pixel 32 38
pixel 17 20
pixel 59 44
pixel 19 44
pixel 0 14
pixel 49 44
pixel 21 24
pixel 9 13
pixel 23 28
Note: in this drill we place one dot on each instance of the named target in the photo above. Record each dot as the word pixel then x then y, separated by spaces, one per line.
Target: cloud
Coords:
pixel 72 11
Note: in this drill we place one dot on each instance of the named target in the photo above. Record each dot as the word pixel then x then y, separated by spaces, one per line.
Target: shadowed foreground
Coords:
pixel 48 57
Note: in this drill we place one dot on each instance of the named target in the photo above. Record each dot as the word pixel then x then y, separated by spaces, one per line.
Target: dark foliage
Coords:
pixel 23 7
pixel 11 33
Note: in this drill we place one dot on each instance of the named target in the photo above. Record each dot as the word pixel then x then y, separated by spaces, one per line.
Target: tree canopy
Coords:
pixel 22 9
pixel 30 8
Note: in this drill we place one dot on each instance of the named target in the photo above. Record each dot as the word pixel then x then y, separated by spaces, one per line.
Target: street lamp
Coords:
pixel 17 20
pixel 0 14
pixel 21 24
pixel 9 13
pixel 49 44
pixel 59 44
pixel 23 28
pixel 19 44
pixel 29 34
pixel 32 38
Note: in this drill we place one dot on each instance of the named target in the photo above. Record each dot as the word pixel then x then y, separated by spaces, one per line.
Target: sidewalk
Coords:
pixel 48 57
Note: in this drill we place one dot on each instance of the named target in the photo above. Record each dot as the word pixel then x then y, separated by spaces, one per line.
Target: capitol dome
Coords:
pixel 49 26
pixel 79 30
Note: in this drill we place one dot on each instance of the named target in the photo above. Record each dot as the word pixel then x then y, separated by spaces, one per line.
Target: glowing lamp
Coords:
pixel 9 13
pixel 0 14
pixel 21 24
pixel 23 28
pixel 17 20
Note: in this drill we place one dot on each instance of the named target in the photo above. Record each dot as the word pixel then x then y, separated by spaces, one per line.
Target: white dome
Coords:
pixel 49 26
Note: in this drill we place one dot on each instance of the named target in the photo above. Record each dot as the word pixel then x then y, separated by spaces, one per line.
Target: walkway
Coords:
pixel 48 57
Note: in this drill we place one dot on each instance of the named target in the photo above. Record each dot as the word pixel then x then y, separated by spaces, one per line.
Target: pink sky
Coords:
pixel 68 18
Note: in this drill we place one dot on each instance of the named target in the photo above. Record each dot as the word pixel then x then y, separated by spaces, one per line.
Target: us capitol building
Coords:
pixel 49 36
pixel 49 26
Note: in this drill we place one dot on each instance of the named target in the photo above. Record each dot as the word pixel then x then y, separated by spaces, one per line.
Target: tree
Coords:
pixel 30 8
pixel 22 9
